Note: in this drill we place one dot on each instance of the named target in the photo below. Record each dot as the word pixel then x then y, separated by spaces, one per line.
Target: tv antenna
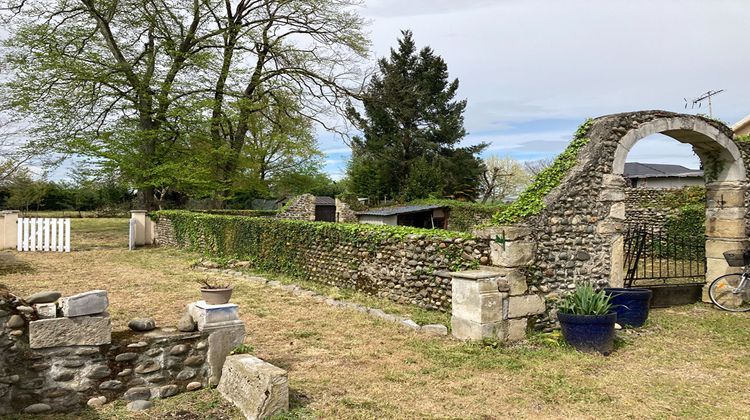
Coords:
pixel 699 101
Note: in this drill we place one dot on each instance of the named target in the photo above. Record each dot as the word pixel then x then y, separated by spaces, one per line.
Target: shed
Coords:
pixel 325 209
pixel 422 216
pixel 661 176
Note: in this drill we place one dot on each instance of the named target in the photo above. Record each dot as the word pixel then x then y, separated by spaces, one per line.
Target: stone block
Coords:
pixel 617 211
pixel 516 329
pixel 725 228
pixel 617 260
pixel 724 197
pixel 209 317
pixel 469 303
pixel 612 194
pixel 464 329
pixel 435 329
pixel 524 306
pixel 87 303
pixel 715 248
pixel 46 310
pixel 609 226
pixel 80 331
pixel 259 389
pixel 221 342
pixel 512 253
pixel 508 232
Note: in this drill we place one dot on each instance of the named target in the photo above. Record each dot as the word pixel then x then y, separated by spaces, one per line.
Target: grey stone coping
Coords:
pixel 475 274
pixel 138 211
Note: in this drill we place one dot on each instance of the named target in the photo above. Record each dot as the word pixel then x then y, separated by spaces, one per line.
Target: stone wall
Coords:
pixel 584 217
pixel 41 373
pixel 653 207
pixel 411 269
pixel 299 208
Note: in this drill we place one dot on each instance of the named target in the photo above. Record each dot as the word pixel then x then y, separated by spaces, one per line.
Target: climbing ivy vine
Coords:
pixel 279 245
pixel 531 201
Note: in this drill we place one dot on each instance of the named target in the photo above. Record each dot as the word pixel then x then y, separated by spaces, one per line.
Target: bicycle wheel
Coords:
pixel 724 294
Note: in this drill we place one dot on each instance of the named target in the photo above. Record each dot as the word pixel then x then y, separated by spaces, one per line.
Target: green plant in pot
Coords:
pixel 215 293
pixel 587 320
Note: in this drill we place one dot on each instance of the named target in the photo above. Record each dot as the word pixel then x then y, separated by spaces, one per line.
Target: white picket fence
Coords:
pixel 43 234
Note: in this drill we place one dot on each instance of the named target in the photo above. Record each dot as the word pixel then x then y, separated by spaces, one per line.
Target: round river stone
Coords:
pixel 142 324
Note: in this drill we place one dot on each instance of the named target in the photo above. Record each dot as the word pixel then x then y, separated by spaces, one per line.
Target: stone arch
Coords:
pixel 725 189
pixel 579 234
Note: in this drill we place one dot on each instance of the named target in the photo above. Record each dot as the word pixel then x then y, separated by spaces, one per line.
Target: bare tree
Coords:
pixel 502 178
pixel 533 167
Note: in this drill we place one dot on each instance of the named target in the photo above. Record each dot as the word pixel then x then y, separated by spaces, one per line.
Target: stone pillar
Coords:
pixel 494 302
pixel 140 218
pixel 613 195
pixel 9 229
pixel 725 227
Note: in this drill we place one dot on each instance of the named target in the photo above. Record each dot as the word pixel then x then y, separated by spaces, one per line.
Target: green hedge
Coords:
pixel 278 245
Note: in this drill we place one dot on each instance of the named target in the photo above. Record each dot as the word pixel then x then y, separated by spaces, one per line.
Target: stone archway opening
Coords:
pixel 664 229
pixel 725 178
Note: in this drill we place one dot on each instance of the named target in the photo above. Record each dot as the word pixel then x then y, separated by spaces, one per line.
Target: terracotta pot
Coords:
pixel 216 296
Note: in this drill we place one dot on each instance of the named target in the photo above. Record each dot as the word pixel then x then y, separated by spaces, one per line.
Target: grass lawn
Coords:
pixel 688 362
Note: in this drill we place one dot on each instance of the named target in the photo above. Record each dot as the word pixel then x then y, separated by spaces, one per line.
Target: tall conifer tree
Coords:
pixel 412 125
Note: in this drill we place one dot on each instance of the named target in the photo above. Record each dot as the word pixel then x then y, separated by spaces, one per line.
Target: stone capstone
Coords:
pixel 259 389
pixel 88 303
pixel 59 332
pixel 43 297
pixel 142 324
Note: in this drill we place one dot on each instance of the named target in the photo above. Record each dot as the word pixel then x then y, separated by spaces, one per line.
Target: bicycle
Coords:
pixel 731 292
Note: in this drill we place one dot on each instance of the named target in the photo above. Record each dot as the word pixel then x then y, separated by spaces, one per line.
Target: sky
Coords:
pixel 533 70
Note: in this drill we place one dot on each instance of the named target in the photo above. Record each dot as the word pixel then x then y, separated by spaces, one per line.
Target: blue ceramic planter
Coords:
pixel 589 333
pixel 631 305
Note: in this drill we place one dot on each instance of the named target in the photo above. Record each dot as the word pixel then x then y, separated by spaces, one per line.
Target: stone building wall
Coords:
pixel 644 207
pixel 411 269
pixel 42 374
pixel 300 208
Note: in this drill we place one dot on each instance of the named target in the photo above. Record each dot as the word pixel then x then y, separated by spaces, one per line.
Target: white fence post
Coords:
pixel 131 234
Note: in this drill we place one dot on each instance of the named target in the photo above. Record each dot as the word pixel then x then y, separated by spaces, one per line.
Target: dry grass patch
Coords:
pixel 688 362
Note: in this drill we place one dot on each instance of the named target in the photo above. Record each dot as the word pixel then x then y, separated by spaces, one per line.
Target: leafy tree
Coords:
pixel 25 192
pixel 412 126
pixel 164 92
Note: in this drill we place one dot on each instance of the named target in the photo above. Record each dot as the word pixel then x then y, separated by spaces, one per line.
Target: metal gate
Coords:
pixel 655 257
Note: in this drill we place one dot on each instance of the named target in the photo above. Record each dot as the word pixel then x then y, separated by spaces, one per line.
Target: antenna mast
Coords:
pixel 699 101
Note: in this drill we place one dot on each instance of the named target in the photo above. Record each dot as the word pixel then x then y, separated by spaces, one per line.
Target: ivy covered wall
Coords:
pixel 406 265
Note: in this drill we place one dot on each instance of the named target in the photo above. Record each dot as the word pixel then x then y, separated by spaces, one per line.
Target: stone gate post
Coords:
pixel 725 227
pixel 9 229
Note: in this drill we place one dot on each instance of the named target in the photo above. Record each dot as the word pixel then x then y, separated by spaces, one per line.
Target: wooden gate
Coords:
pixel 43 234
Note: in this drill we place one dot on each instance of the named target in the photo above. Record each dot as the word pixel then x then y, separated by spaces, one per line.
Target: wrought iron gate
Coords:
pixel 655 257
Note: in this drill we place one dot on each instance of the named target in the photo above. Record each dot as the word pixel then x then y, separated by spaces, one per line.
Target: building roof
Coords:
pixel 742 127
pixel 392 211
pixel 325 201
pixel 659 170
